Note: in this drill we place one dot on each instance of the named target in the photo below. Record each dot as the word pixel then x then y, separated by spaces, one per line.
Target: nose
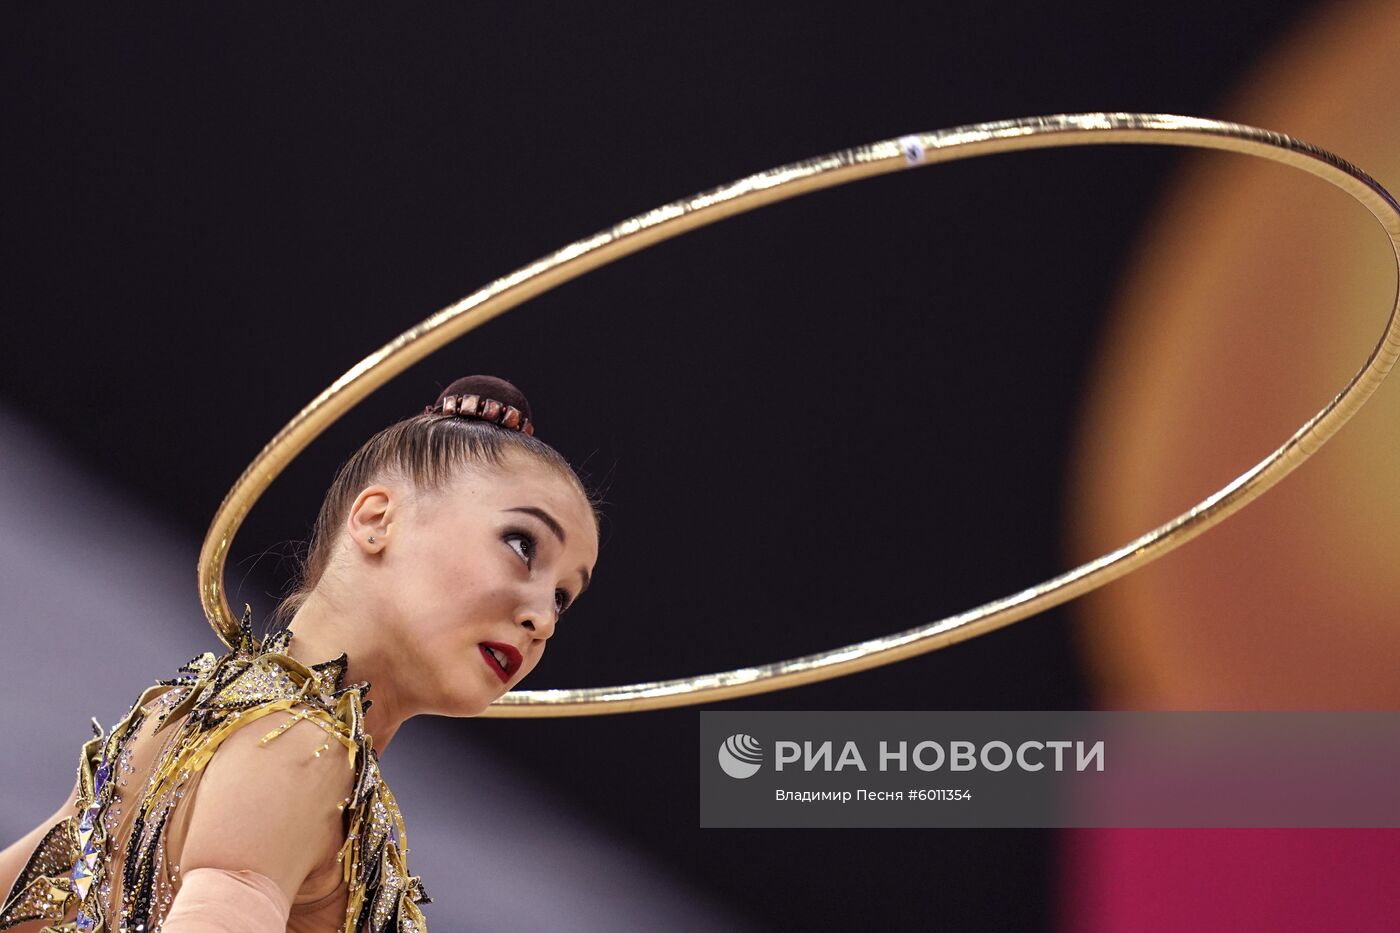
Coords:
pixel 539 622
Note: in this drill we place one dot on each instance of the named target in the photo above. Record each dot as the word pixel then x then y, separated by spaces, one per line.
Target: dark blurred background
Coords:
pixel 838 417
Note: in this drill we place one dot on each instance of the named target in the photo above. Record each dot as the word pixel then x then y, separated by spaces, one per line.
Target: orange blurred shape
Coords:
pixel 1256 294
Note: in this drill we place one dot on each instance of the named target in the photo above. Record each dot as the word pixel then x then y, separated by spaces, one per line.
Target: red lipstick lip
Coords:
pixel 512 659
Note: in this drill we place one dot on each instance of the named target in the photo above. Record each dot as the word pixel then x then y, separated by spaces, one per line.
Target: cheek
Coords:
pixel 449 592
pixel 530 664
pixel 442 582
pixel 462 602
pixel 432 596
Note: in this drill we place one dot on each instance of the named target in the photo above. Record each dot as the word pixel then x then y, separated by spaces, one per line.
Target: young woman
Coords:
pixel 443 557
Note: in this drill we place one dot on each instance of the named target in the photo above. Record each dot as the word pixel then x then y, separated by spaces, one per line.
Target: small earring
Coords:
pixel 371 539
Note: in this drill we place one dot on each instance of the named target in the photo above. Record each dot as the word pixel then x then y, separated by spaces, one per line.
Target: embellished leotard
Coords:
pixel 113 865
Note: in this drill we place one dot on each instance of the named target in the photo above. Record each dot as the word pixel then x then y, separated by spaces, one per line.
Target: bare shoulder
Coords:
pixel 270 801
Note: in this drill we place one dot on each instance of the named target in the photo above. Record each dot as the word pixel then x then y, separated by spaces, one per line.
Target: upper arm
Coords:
pixel 269 808
pixel 16 856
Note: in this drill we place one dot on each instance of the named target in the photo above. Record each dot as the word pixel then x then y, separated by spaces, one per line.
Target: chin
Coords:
pixel 475 705
pixel 463 709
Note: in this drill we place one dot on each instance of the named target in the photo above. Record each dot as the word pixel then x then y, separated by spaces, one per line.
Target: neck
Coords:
pixel 322 631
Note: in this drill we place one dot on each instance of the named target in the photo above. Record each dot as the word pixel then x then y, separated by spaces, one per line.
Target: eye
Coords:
pixel 526 551
pixel 527 545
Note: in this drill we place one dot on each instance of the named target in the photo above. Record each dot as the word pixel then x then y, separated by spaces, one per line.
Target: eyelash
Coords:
pixel 562 598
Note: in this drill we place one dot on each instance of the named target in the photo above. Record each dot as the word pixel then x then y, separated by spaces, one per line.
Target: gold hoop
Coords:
pixel 778 184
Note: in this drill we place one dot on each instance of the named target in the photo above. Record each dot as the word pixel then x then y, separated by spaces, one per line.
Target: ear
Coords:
pixel 371 515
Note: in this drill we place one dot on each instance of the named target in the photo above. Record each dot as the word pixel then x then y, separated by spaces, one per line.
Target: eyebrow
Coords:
pixel 558 530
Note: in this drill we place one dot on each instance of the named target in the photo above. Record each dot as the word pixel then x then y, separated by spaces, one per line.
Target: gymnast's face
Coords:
pixel 472 580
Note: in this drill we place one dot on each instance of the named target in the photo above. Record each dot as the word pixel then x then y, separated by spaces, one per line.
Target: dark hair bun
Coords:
pixel 488 387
